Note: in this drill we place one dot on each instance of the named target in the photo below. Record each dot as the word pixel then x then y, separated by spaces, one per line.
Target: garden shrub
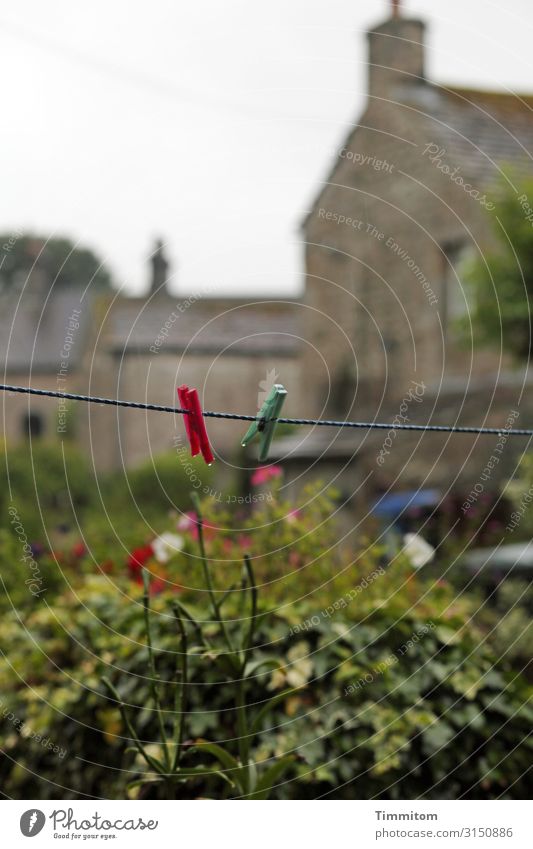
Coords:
pixel 397 693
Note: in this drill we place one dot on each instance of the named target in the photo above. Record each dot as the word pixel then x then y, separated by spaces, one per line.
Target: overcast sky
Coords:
pixel 209 123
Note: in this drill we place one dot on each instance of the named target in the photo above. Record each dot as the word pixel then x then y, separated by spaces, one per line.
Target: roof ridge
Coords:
pixel 465 91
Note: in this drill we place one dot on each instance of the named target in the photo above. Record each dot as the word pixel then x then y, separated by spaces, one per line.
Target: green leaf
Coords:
pixel 200 771
pixel 271 777
pixel 252 668
pixel 270 705
pixel 437 736
pixel 218 752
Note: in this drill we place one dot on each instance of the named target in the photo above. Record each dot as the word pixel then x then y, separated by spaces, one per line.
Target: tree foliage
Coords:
pixel 499 280
pixel 63 262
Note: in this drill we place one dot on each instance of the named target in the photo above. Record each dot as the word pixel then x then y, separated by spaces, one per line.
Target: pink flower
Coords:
pixel 293 515
pixel 187 522
pixel 265 474
pixel 295 560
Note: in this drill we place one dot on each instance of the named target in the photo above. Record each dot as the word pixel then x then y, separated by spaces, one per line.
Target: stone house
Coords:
pixel 408 197
pixel 230 349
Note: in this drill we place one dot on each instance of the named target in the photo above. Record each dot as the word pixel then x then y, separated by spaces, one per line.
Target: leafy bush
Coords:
pixel 500 278
pixel 508 623
pixel 395 692
pixel 50 485
pixel 519 491
pixel 153 489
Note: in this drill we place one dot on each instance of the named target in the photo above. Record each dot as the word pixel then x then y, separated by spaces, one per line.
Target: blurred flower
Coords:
pixel 293 516
pixel 37 550
pixel 265 474
pixel 418 550
pixel 186 522
pixel 157 585
pixel 295 560
pixel 137 559
pixel 166 545
pixel 79 549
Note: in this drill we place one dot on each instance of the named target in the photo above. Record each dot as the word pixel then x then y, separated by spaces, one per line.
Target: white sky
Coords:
pixel 208 122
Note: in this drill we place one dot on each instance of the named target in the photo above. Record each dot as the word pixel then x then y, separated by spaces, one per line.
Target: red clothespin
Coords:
pixel 194 423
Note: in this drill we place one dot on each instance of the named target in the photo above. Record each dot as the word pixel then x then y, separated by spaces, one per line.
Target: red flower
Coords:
pixel 137 559
pixel 79 549
pixel 157 585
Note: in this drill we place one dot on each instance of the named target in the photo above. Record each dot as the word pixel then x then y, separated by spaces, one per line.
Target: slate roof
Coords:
pixel 32 335
pixel 485 129
pixel 480 130
pixel 33 332
pixel 233 326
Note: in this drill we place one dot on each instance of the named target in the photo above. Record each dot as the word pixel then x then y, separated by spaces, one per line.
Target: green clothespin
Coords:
pixel 270 409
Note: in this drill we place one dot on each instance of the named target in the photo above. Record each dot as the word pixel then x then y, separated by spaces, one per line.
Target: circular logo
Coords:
pixel 32 822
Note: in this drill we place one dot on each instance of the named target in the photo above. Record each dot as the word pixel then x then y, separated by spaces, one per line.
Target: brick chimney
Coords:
pixel 396 54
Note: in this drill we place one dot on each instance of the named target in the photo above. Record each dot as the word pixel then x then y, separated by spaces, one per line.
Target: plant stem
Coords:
pixel 207 575
pixel 122 707
pixel 242 729
pixel 153 674
pixel 181 690
pixel 253 616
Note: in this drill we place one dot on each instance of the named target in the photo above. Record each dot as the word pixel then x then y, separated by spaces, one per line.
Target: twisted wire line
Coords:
pixel 158 408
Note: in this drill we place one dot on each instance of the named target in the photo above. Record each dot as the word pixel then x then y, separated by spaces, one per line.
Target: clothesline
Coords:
pixel 158 408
